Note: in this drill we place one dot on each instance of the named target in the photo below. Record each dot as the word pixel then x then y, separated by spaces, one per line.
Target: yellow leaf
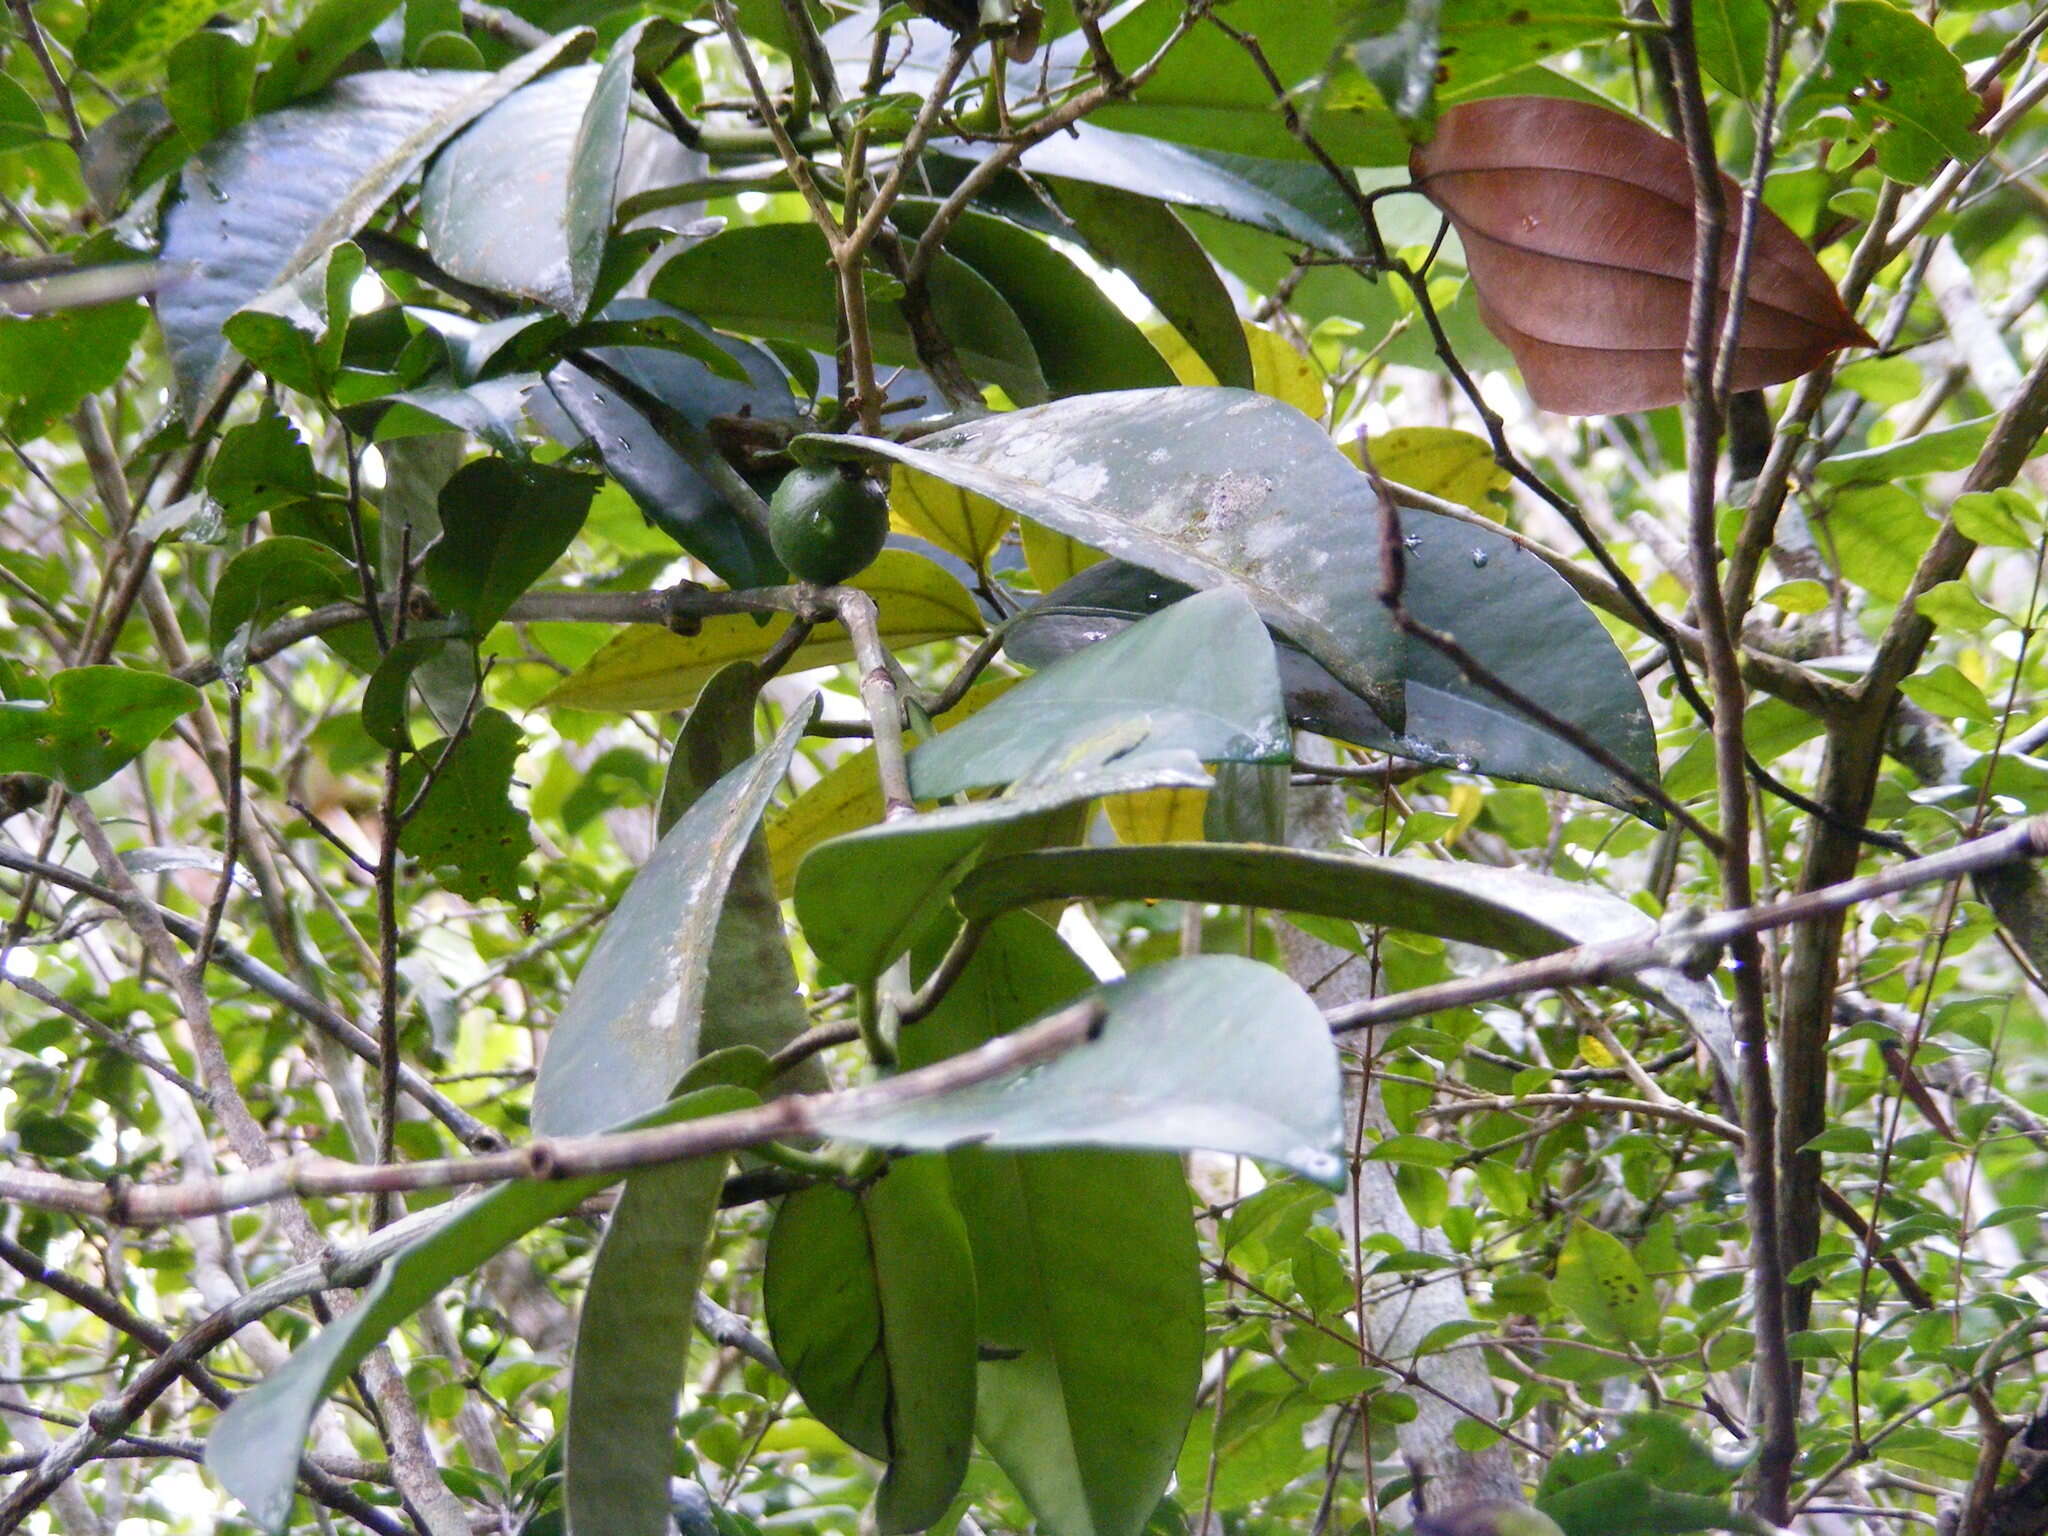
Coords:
pixel 1053 556
pixel 648 667
pixel 1440 461
pixel 1595 1053
pixel 848 796
pixel 1158 815
pixel 1466 802
pixel 959 522
pixel 1277 368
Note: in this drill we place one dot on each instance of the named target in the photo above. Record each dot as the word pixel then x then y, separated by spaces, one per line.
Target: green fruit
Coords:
pixel 827 525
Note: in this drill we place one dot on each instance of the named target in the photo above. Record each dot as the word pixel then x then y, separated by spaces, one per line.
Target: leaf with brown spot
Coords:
pixel 1578 232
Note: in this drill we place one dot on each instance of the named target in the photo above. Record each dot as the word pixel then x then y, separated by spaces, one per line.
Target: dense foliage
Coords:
pixel 1285 954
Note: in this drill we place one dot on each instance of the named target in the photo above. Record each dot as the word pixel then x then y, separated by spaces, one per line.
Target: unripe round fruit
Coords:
pixel 826 525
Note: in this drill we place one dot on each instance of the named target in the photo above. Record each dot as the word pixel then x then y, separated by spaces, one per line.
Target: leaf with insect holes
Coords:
pixel 1577 223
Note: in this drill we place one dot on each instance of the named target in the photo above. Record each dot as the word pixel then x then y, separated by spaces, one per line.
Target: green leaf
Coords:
pixel 870 1301
pixel 1282 197
pixel 1083 342
pixel 1926 97
pixel 1209 91
pixel 1214 1051
pixel 663 471
pixel 632 1023
pixel 1148 242
pixel 862 899
pixel 1944 691
pixel 1395 46
pixel 267 578
pixel 648 667
pixel 1733 37
pixel 95 721
pixel 255 1445
pixel 49 363
pixel 295 333
pixel 511 234
pixel 1086 1269
pixel 1927 453
pixel 594 166
pixel 503 523
pixel 1414 51
pixel 1628 1501
pixel 387 696
pixel 1535 635
pixel 1875 535
pixel 776 280
pixel 1228 710
pixel 1599 1281
pixel 21 120
pixel 261 465
pixel 265 201
pixel 1209 486
pixel 467 830
pixel 304 59
pixel 848 796
pixel 2003 518
pixel 750 993
pixel 120 30
pixel 632 1342
pixel 1952 605
pixel 211 76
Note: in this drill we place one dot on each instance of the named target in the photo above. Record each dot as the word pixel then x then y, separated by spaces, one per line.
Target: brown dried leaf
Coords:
pixel 1578 230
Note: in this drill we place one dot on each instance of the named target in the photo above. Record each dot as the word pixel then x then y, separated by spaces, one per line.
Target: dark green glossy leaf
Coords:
pixel 1505 909
pixel 1086 1270
pixel 1084 343
pixel 1281 196
pixel 776 280
pixel 870 1301
pixel 1147 241
pixel 1215 1051
pixel 387 695
pixel 255 1445
pixel 1395 44
pixel 595 162
pixel 211 74
pixel 263 202
pixel 265 579
pixel 1212 487
pixel 467 830
pixel 863 898
pixel 1226 710
pixel 632 1342
pixel 632 1023
pixel 1534 634
pixel 503 523
pixel 511 233
pixel 750 993
pixel 669 487
pixel 95 720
